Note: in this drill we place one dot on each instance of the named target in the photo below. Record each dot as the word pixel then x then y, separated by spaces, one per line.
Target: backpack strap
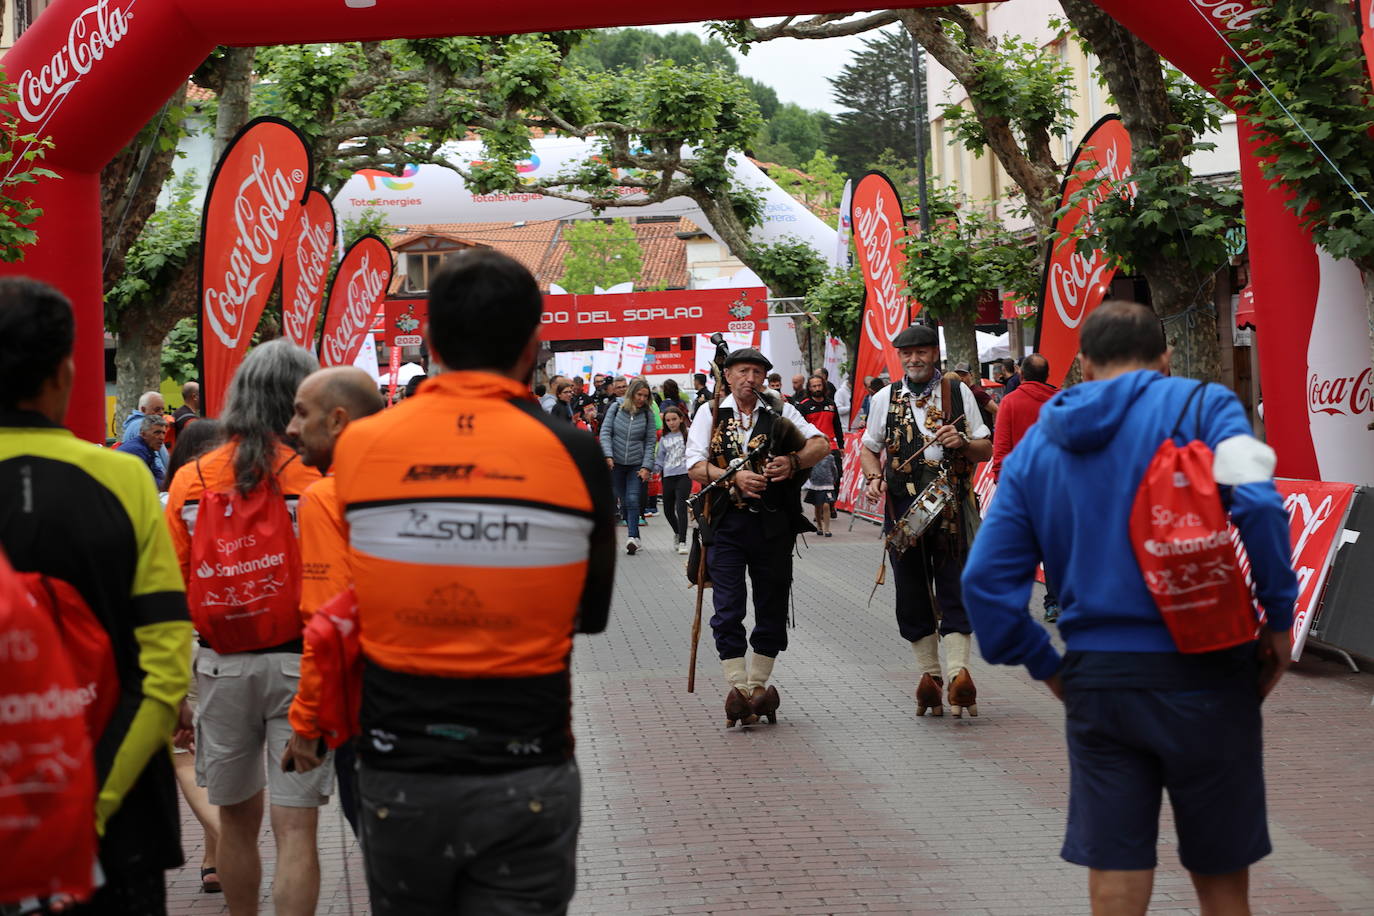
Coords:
pixel 1197 422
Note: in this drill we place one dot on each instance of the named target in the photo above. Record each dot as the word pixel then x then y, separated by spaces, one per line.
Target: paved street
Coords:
pixel 852 805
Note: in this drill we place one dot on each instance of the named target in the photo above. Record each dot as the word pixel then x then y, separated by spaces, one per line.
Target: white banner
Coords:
pixel 632 350
pixel 781 348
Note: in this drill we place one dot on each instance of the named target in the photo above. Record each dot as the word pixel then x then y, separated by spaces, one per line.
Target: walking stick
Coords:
pixel 696 621
pixel 718 372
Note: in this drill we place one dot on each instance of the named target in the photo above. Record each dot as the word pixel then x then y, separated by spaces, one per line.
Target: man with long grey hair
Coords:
pixel 245 695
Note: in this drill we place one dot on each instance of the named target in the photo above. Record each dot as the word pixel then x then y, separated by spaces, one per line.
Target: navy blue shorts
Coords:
pixel 1203 746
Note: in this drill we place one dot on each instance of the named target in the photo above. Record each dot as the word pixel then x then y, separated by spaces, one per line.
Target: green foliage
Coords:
pixel 877 92
pixel 966 252
pixel 1020 82
pixel 837 301
pixel 170 238
pixel 791 136
pixel 179 351
pixel 369 221
pixel 600 254
pixel 1308 54
pixel 17 214
pixel 789 267
pixel 632 49
pixel 819 186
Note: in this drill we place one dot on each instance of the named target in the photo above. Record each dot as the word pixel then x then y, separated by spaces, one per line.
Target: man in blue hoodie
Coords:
pixel 1141 716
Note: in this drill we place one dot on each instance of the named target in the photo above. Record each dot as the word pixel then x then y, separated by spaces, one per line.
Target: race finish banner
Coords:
pixel 251 207
pixel 879 226
pixel 1075 284
pixel 670 313
pixel 355 296
pixel 304 268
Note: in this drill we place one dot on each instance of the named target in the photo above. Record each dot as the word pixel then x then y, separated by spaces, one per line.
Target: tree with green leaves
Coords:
pixel 966 255
pixel 877 93
pixel 792 136
pixel 836 304
pixel 817 184
pixel 1306 86
pixel 17 213
pixel 600 253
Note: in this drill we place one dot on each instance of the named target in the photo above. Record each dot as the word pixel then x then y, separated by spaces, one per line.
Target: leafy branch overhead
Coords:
pixel 663 130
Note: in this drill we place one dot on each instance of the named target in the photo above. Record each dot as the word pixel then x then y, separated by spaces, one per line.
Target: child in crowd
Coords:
pixel 820 490
pixel 671 463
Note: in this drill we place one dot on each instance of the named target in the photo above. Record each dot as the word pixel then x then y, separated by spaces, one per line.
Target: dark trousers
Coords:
pixel 739 547
pixel 675 491
pixel 135 893
pixel 913 573
pixel 494 844
pixel 345 769
pixel 627 486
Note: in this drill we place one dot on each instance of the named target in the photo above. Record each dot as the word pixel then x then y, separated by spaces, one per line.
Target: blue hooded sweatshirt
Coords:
pixel 1065 498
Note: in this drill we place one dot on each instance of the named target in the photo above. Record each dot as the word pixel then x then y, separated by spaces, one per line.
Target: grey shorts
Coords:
pixel 491 844
pixel 244 699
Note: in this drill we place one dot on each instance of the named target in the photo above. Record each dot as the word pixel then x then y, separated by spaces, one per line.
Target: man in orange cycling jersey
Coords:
pixel 326 403
pixel 481 538
pixel 244 696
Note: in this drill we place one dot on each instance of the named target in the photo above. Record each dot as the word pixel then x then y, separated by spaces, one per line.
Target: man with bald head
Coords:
pixel 326 402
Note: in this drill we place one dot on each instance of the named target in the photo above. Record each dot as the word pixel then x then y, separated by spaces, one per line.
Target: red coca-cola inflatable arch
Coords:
pixel 90 73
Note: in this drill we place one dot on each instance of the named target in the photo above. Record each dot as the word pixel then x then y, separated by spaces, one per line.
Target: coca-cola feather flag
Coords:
pixel 1075 284
pixel 305 269
pixel 355 295
pixel 879 226
pixel 251 208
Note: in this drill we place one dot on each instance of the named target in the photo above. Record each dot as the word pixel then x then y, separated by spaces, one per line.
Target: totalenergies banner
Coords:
pixel 355 295
pixel 879 226
pixel 251 208
pixel 304 269
pixel 1074 283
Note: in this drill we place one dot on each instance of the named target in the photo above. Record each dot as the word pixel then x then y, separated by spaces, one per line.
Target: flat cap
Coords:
pixel 917 335
pixel 748 355
pixel 962 367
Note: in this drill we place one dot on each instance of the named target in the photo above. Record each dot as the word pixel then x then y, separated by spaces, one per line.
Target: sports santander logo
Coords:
pixel 97 29
pixel 356 295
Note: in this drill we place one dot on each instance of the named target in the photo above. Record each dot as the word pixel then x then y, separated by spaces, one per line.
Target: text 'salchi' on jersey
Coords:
pixel 481 537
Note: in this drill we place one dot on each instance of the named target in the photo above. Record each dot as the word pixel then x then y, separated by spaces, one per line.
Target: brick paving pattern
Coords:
pixel 851 804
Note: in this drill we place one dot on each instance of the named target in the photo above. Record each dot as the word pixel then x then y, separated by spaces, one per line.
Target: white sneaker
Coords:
pixel 682 547
pixel 631 545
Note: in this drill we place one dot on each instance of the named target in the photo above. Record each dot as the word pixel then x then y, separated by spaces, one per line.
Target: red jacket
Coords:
pixel 1018 412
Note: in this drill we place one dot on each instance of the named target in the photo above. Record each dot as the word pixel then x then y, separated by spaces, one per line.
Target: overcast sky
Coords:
pixel 798 70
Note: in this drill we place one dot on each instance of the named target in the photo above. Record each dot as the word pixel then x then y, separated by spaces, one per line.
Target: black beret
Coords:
pixel 748 355
pixel 917 335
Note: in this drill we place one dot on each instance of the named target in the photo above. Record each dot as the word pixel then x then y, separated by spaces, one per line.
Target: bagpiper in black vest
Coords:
pixel 779 508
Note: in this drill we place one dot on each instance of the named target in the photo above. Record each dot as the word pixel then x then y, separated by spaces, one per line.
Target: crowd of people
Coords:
pixel 338 596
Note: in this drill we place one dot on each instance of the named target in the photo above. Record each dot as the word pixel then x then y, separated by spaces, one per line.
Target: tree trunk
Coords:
pixel 138 361
pixel 961 341
pixel 235 94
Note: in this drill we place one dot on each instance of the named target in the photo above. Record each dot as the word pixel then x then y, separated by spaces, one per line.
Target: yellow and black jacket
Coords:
pixel 481 537
pixel 91 517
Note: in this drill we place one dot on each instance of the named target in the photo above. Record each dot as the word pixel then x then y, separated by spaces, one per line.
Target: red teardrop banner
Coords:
pixel 878 224
pixel 1367 35
pixel 250 209
pixel 1075 284
pixel 355 295
pixel 305 269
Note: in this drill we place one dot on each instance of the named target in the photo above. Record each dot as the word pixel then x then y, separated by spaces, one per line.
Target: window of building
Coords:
pixel 422 259
pixel 25 12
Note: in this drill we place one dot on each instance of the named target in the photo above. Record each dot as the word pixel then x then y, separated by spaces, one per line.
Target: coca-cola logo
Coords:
pixel 1231 15
pixel 1075 279
pixel 1344 396
pixel 876 236
pixel 312 262
pixel 261 205
pixel 96 30
pixel 364 289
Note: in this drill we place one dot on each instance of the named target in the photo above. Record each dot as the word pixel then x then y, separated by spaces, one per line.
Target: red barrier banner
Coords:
pixel 670 313
pixel 395 367
pixel 850 496
pixel 250 208
pixel 879 226
pixel 305 268
pixel 1316 518
pixel 355 296
pixel 1075 284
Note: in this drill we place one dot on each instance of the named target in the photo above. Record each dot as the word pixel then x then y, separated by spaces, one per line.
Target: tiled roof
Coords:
pixel 539 247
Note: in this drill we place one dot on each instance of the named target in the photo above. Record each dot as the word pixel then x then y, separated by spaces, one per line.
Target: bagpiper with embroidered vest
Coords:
pixel 923 428
pixel 749 526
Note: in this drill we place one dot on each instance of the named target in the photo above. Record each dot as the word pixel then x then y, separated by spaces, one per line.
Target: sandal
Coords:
pixel 209 881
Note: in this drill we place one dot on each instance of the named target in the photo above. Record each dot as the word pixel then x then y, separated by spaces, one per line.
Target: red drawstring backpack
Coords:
pixel 1182 539
pixel 336 649
pixel 245 588
pixel 47 768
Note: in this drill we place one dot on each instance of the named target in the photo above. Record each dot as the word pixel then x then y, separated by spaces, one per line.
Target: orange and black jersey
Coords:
pixel 481 537
pixel 90 517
